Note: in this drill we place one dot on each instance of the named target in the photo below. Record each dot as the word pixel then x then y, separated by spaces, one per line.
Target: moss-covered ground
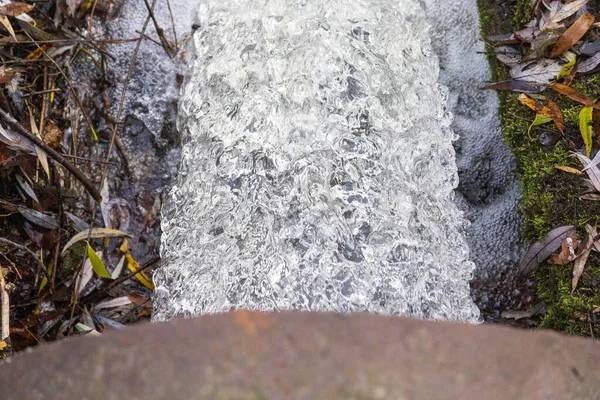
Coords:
pixel 550 196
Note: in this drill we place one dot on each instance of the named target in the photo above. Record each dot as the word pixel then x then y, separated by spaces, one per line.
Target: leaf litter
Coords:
pixel 56 127
pixel 547 61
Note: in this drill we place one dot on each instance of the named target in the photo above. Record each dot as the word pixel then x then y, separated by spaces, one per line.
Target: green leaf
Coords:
pixel 567 68
pixel 585 126
pixel 97 263
pixel 541 119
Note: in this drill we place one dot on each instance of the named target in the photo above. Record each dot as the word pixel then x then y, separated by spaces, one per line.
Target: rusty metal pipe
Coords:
pixel 298 355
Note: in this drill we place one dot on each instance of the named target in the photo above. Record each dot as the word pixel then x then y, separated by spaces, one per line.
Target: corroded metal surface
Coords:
pixel 298 355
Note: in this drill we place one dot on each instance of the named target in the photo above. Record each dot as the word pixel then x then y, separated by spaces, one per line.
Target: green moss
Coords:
pixel 550 196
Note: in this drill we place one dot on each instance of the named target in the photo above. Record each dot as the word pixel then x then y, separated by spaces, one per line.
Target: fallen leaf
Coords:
pixel 26 188
pixel 517 315
pixel 590 64
pixel 95 234
pixel 3 345
pixel 550 110
pixel 542 249
pixel 593 171
pixel 82 278
pixel 583 254
pixel 573 34
pixel 79 224
pixel 86 329
pixel 4 21
pixel 118 302
pixel 110 322
pixel 117 271
pixel 140 300
pixel 590 48
pixel 508 55
pixel 567 253
pixel 38 218
pixel 133 266
pixel 570 170
pixel 516 85
pixel 574 95
pixel 567 10
pixel 15 9
pixel 542 71
pixel 97 263
pixel 567 69
pixel 585 127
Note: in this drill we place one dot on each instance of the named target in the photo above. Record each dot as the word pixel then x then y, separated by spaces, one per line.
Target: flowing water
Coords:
pixel 317 167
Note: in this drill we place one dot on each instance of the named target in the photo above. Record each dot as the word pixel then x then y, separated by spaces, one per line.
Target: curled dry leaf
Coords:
pixel 542 249
pixel 593 171
pixel 573 34
pixel 550 110
pixel 567 252
pixel 582 256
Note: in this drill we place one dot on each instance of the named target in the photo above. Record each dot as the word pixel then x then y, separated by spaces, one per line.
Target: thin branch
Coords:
pixel 25 249
pixel 52 153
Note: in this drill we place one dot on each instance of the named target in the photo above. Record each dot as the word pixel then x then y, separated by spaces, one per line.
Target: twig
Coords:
pixel 91 21
pixel 5 331
pixel 173 25
pixel 167 46
pixel 25 249
pixel 52 153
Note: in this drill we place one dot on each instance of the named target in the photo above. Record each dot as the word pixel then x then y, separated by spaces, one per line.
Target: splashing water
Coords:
pixel 318 168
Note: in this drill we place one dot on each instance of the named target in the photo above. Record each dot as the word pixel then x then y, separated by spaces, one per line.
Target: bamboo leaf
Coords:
pixel 97 263
pixel 133 266
pixel 95 234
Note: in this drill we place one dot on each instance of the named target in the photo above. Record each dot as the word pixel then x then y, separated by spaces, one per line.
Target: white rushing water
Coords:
pixel 317 168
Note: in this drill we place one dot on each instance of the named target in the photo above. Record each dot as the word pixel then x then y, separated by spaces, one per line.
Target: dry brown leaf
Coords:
pixel 15 9
pixel 582 256
pixel 574 95
pixel 573 34
pixel 567 252
pixel 53 135
pixel 550 110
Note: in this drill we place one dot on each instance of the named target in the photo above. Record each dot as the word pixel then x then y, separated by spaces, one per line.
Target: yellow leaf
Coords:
pixel 45 279
pixel 97 264
pixel 567 68
pixel 570 170
pixel 37 53
pixel 4 21
pixel 585 126
pixel 133 266
pixel 3 345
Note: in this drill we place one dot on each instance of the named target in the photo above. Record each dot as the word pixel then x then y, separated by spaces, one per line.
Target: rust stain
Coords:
pixel 251 322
